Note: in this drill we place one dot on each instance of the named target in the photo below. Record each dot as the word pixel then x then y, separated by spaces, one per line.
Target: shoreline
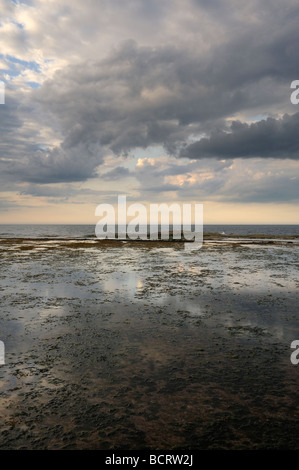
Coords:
pixel 88 242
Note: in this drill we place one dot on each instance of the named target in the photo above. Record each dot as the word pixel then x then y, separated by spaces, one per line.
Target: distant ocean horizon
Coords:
pixel 88 230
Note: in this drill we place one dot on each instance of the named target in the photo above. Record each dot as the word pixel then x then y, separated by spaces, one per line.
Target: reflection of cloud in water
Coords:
pixel 103 337
pixel 55 310
pixel 130 282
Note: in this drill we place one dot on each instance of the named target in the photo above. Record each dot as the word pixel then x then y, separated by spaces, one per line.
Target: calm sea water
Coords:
pixel 88 231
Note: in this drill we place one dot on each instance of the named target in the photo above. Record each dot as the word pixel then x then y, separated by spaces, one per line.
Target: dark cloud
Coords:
pixel 58 165
pixel 144 96
pixel 275 138
pixel 141 97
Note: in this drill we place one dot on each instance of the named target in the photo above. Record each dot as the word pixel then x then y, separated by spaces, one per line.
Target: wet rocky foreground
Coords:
pixel 148 346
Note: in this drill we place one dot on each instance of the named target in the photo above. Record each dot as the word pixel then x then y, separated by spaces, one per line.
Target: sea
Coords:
pixel 84 231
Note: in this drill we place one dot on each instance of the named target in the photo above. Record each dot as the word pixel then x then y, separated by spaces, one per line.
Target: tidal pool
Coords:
pixel 140 346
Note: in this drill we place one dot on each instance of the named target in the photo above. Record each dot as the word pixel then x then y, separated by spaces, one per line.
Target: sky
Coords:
pixel 163 101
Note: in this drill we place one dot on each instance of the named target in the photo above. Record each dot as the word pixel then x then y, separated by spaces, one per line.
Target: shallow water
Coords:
pixel 148 347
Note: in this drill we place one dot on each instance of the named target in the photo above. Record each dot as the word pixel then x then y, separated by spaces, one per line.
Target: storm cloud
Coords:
pixel 199 79
pixel 139 97
pixel 270 138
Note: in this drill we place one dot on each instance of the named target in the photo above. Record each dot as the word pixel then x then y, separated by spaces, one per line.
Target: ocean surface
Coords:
pixel 88 231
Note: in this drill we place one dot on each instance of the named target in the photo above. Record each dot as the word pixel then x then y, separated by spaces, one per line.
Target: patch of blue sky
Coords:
pixel 14 67
pixel 28 64
pixel 6 75
pixel 259 117
pixel 19 25
pixel 25 2
pixel 40 147
pixel 33 85
pixel 140 153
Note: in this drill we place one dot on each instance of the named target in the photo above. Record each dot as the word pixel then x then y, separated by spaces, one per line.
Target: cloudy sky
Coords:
pixel 159 100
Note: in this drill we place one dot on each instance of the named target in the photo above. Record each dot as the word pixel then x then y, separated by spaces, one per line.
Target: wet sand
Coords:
pixel 147 346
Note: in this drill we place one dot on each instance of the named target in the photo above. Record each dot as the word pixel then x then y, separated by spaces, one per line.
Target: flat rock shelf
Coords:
pixel 115 344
